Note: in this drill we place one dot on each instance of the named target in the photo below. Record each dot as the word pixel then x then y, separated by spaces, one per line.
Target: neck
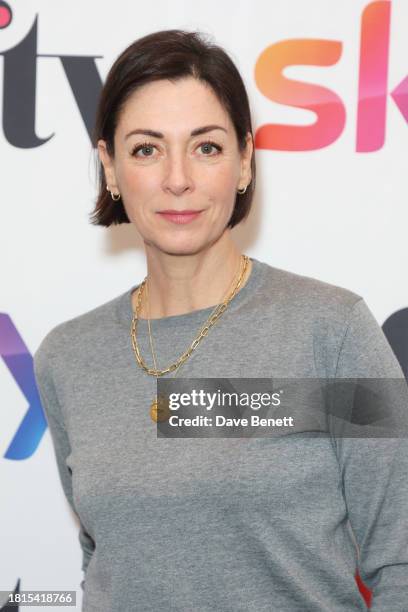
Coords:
pixel 178 284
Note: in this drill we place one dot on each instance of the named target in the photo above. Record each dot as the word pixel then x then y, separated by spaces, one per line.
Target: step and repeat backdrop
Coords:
pixel 328 87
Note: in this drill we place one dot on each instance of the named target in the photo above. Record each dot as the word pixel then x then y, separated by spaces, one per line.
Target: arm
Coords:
pixel 375 472
pixel 62 449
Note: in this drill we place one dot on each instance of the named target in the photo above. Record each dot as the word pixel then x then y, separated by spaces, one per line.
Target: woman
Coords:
pixel 200 523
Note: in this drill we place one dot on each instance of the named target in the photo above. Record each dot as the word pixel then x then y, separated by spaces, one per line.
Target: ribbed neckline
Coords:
pixel 125 307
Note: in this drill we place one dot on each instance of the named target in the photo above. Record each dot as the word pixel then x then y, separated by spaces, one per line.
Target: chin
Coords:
pixel 182 246
pixel 181 250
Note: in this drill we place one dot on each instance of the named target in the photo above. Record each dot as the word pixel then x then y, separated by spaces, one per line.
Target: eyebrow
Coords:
pixel 196 132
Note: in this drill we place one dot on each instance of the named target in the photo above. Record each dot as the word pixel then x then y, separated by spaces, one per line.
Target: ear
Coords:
pixel 246 156
pixel 108 166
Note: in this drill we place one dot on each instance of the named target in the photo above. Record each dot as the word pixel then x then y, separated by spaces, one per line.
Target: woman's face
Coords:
pixel 162 163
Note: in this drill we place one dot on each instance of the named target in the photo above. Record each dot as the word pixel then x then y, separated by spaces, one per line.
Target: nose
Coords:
pixel 178 177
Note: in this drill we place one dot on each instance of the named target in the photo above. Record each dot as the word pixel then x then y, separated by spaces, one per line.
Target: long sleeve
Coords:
pixel 60 440
pixel 375 472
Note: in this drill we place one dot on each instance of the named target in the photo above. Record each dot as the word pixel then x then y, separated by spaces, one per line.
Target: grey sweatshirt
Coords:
pixel 226 524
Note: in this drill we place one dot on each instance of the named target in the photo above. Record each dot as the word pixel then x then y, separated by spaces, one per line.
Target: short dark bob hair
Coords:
pixel 169 54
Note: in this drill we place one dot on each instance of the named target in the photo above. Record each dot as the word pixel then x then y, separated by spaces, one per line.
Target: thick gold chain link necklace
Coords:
pixel 159 410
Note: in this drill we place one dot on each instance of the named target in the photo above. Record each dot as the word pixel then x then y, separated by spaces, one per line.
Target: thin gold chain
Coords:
pixel 242 263
pixel 213 318
pixel 151 335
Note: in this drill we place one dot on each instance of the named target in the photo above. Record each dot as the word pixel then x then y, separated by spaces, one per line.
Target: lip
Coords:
pixel 179 216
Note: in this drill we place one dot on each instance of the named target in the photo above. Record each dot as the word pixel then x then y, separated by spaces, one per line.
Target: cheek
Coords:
pixel 221 185
pixel 134 181
pixel 223 189
pixel 140 191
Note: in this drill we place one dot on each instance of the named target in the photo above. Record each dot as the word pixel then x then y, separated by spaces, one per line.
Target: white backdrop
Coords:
pixel 334 213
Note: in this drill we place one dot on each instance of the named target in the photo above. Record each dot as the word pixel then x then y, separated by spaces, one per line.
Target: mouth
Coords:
pixel 179 216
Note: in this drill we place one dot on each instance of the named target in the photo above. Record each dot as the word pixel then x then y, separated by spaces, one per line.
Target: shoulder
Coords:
pixel 332 323
pixel 70 336
pixel 306 296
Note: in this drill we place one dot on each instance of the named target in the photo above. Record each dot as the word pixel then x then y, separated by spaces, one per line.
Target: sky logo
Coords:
pixel 325 103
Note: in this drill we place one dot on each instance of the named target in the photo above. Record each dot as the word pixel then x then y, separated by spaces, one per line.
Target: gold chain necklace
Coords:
pixel 159 409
